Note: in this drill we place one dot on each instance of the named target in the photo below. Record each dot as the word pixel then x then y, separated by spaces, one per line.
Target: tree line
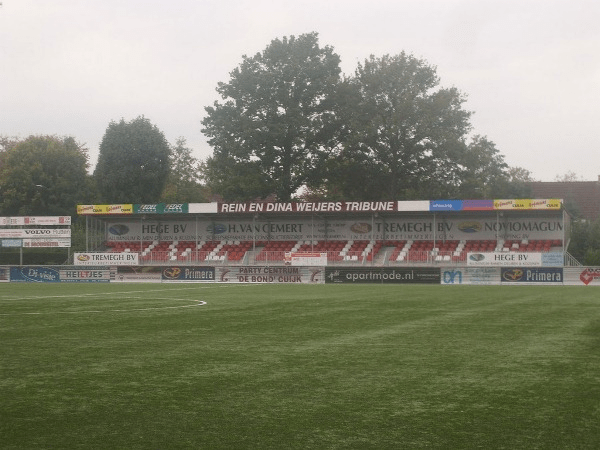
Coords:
pixel 288 126
pixel 49 175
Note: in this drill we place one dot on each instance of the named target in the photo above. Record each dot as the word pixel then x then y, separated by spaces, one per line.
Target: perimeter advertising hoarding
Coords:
pixel 35 233
pixel 161 208
pixel 40 274
pixel 188 274
pixel 306 259
pixel 416 275
pixel 4 274
pixel 531 275
pixel 307 207
pixel 106 259
pixel 582 276
pixel 125 208
pixel 446 205
pixel 470 275
pixel 549 259
pixel 34 274
pixel 365 228
pixel 527 203
pixel 11 243
pixel 271 274
pixel 47 243
pixel 35 220
pixel 478 205
pixel 139 274
pixel 84 276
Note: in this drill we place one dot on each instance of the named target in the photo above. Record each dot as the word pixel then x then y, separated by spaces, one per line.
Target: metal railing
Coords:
pixel 570 260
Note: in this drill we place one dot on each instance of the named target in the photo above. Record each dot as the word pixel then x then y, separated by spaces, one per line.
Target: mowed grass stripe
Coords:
pixel 302 367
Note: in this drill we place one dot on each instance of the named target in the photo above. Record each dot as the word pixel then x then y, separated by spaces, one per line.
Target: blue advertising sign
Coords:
pixel 445 205
pixel 34 274
pixel 553 259
pixel 11 242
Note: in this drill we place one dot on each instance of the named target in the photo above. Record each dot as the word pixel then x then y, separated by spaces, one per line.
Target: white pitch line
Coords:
pixel 196 303
pixel 102 294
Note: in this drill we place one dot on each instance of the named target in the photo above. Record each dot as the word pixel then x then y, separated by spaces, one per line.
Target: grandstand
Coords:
pixel 419 233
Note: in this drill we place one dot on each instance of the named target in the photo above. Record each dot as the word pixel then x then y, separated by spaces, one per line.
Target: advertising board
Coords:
pixel 35 220
pixel 35 274
pixel 271 274
pixel 12 243
pixel 531 275
pixel 36 233
pixel 470 275
pixel 161 208
pixel 47 243
pixel 528 204
pixel 384 275
pixel 495 259
pixel 358 228
pixel 4 274
pixel 138 274
pixel 306 259
pixel 188 274
pixel 582 276
pixel 84 276
pixel 106 259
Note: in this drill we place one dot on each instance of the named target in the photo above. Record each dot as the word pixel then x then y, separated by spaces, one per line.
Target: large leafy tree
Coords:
pixel 276 121
pixel 406 135
pixel 183 183
pixel 485 173
pixel 44 175
pixel 133 164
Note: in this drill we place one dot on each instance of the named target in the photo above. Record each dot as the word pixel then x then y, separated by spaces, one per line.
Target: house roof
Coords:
pixel 580 198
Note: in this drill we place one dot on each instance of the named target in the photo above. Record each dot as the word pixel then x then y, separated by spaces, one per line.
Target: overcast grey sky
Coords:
pixel 530 69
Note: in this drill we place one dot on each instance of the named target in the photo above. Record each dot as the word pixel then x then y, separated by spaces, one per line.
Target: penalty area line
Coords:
pixel 92 311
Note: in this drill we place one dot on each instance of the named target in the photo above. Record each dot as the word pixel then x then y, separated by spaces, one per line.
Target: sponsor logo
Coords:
pixel 588 275
pixel 119 229
pixel 503 203
pixel 533 275
pixel 224 276
pixel 172 273
pixel 361 228
pixel 37 274
pixel 477 257
pixel 535 204
pixel 37 232
pixel 174 208
pixel 452 277
pixel 217 228
pixel 469 227
pixel 83 257
pixel 148 208
pixel 84 274
pixel 513 274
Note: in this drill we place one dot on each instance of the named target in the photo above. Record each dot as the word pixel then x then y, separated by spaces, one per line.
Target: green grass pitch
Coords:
pixel 140 366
